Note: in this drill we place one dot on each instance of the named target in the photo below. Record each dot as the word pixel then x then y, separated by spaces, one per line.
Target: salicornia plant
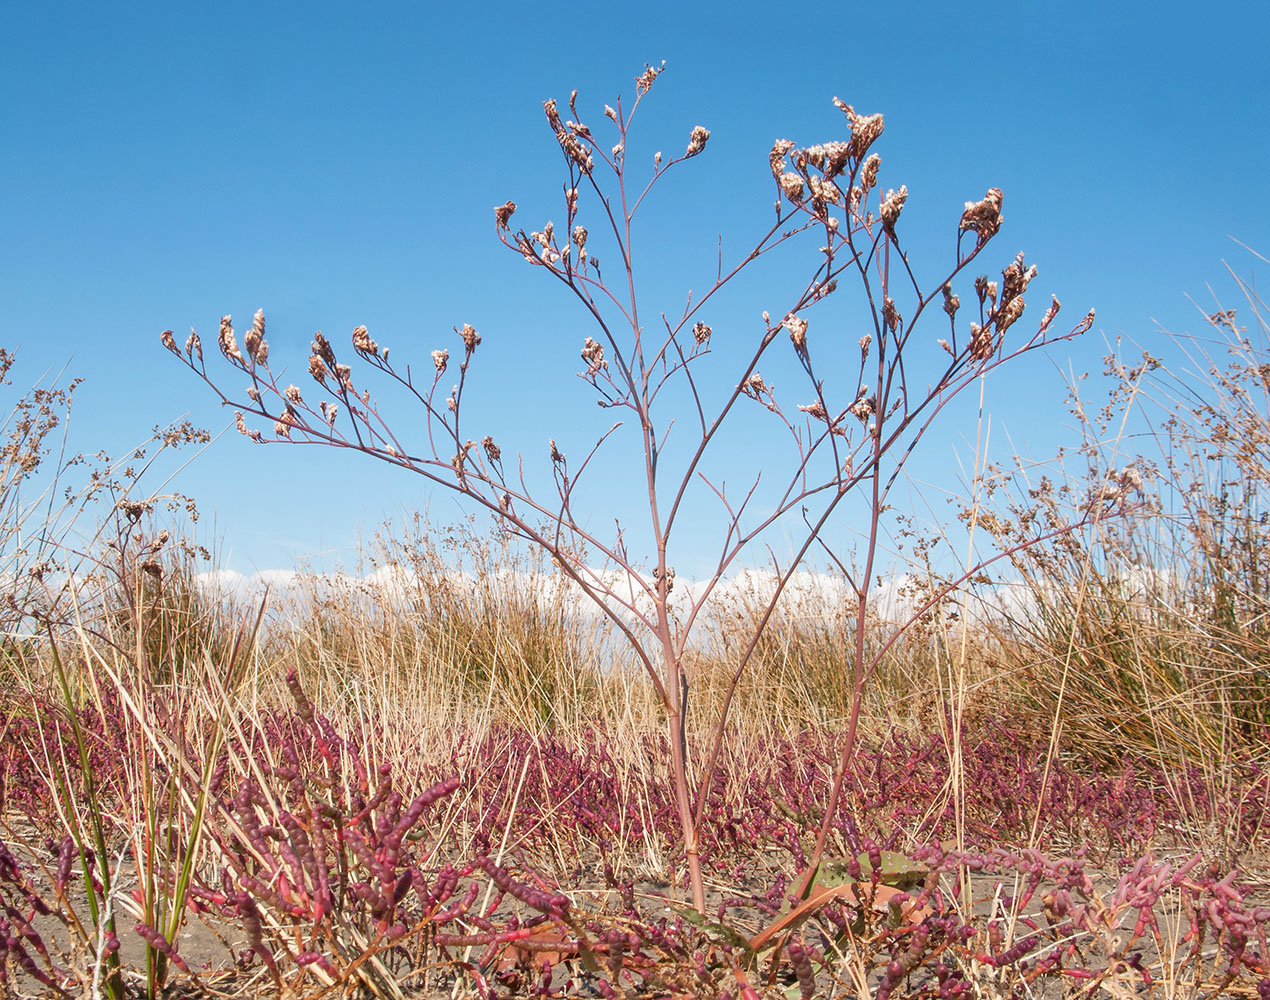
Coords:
pixel 848 431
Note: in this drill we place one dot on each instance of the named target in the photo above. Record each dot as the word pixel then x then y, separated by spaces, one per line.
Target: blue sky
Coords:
pixel 165 164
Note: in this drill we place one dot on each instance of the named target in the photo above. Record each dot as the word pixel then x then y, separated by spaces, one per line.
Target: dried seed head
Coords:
pixel 503 213
pixel 169 341
pixel 869 172
pixel 657 158
pixel 892 206
pixel 645 80
pixel 697 141
pixel 865 341
pixel 984 217
pixel 701 333
pixel 1015 279
pixel 609 113
pixel 553 116
pixel 1009 313
pixel 228 345
pixel 317 369
pixel 492 451
pixel 864 407
pixel 824 191
pixel 193 346
pixel 557 456
pixel 593 355
pixel 282 429
pixel 815 410
pixel 890 315
pixel 792 186
pixel 992 291
pixel 754 387
pixel 779 148
pixel 329 411
pixel 951 302
pixel 362 342
pixel 1050 313
pixel 292 393
pixel 253 394
pixel 242 427
pixel 980 342
pixel 254 339
pixel 345 376
pixel 579 236
pixel 797 328
pixel 865 129
pixel 944 345
pixel 470 337
pixel 440 358
pixel 322 348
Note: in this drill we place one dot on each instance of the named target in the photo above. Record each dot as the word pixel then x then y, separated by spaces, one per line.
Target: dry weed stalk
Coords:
pixel 848 436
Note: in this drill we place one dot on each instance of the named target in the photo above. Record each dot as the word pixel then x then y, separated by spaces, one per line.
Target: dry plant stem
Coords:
pixel 823 189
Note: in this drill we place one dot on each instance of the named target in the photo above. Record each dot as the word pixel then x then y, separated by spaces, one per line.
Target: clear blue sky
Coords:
pixel 164 164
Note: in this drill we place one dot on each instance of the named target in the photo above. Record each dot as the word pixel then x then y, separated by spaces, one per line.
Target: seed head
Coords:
pixel 984 217
pixel 253 394
pixel 322 348
pixel 440 358
pixel 792 186
pixel 892 206
pixel 951 302
pixel 645 80
pixel 755 387
pixel 697 141
pixel 492 451
pixel 980 342
pixel 890 315
pixel 1050 313
pixel 228 345
pixel 1009 313
pixel 193 346
pixel 815 410
pixel 869 172
pixel 609 113
pixel 824 191
pixel 864 407
pixel 579 236
pixel 503 213
pixel 557 456
pixel 865 129
pixel 169 341
pixel 797 328
pixel 470 337
pixel 317 368
pixel 362 342
pixel 701 333
pixel 242 427
pixel 293 394
pixel 593 355
pixel 779 148
pixel 254 339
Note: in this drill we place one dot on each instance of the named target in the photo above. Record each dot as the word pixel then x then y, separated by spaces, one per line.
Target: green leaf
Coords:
pixel 897 870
